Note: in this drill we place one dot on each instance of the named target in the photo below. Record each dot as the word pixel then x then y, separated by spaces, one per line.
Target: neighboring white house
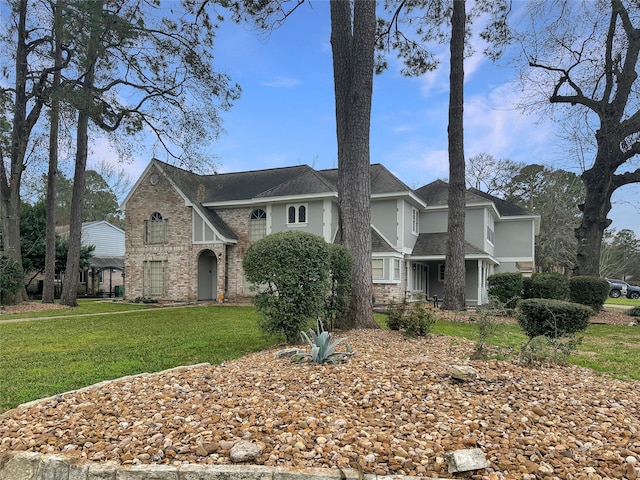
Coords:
pixel 104 277
pixel 186 234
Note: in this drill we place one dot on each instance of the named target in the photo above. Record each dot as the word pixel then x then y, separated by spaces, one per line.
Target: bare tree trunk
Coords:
pixel 48 290
pixel 70 284
pixel 595 209
pixel 353 50
pixel 455 275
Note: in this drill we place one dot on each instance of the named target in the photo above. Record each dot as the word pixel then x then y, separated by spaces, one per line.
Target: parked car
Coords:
pixel 620 287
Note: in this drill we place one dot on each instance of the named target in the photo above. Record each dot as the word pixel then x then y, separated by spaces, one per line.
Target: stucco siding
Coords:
pixel 474 228
pixel 514 238
pixel 433 221
pixel 384 217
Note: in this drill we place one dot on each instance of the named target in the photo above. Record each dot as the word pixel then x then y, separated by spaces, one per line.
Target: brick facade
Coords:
pixel 179 253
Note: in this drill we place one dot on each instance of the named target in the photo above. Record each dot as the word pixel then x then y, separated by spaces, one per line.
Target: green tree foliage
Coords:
pixel 33 233
pixel 11 278
pixel 290 270
pixel 99 201
pixel 620 256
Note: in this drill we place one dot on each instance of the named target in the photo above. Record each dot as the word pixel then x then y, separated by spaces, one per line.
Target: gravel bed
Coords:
pixel 392 407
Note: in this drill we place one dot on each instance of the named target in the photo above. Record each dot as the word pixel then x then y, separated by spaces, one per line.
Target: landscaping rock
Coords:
pixel 463 373
pixel 466 460
pixel 245 452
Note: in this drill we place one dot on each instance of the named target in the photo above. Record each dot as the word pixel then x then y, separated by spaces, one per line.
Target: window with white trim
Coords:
pixel 396 269
pixel 415 220
pixel 441 272
pixel 156 229
pixel 257 225
pixel 491 236
pixel 296 214
pixel 377 269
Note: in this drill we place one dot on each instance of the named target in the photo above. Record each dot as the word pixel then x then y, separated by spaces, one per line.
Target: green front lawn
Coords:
pixel 44 357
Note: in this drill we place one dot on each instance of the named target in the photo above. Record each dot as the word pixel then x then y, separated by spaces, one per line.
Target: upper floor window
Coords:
pixel 257 225
pixel 155 229
pixel 296 214
pixel 491 236
pixel 415 220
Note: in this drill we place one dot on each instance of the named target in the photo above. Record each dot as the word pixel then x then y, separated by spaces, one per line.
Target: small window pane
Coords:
pixel 292 215
pixel 377 268
pixel 302 214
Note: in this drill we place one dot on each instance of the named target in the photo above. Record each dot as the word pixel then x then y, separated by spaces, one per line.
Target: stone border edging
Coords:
pixel 38 466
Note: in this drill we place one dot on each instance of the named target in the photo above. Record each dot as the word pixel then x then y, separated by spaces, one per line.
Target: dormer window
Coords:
pixel 156 229
pixel 296 214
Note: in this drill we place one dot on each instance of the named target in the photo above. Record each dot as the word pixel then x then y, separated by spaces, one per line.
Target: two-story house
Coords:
pixel 186 234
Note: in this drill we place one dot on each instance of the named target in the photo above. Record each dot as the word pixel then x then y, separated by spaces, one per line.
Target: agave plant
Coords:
pixel 323 347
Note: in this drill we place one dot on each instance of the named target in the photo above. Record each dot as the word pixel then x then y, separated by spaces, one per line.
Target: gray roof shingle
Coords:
pixel 436 244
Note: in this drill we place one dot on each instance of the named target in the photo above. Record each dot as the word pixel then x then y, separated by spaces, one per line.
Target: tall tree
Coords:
pixel 455 272
pixel 70 285
pixel 589 54
pixel 353 29
pixel 621 256
pixel 48 291
pixel 353 45
pixel 27 102
pixel 428 18
pixel 489 174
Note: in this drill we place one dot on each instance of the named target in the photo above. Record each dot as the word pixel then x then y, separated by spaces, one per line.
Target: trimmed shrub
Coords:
pixel 634 312
pixel 550 285
pixel 527 287
pixel 415 319
pixel 589 291
pixel 506 287
pixel 290 271
pixel 11 278
pixel 340 267
pixel 552 318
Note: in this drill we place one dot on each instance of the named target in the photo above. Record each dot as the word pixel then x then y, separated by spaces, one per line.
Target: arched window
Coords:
pixel 257 225
pixel 296 214
pixel 155 229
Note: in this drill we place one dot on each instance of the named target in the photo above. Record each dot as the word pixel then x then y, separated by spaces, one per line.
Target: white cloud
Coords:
pixel 282 82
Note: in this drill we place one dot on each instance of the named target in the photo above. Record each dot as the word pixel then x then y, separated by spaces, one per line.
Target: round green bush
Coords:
pixel 552 318
pixel 290 272
pixel 340 268
pixel 11 278
pixel 589 291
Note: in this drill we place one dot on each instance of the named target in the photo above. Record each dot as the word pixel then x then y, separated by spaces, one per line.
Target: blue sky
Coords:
pixel 286 113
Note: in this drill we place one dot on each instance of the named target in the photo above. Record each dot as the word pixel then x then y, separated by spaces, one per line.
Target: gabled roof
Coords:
pixel 435 244
pixel 437 194
pixel 378 243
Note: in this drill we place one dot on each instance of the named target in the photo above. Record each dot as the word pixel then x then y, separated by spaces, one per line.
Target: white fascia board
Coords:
pixel 415 199
pixel 387 254
pixel 486 204
pixel 535 218
pixel 271 200
pixel 475 256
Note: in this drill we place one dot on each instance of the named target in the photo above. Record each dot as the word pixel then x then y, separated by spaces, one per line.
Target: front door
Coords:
pixel 207 276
